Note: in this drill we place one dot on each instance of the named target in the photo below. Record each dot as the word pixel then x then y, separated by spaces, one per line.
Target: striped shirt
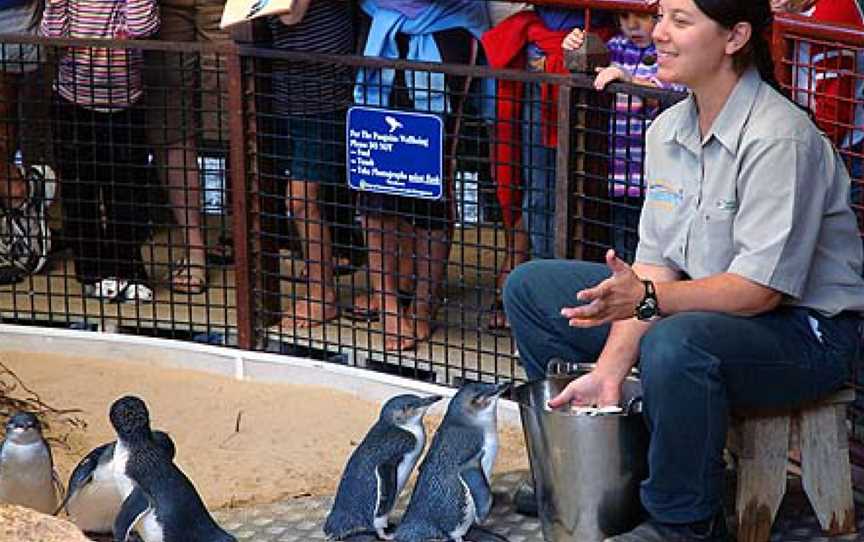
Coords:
pixel 309 88
pixel 100 78
pixel 631 117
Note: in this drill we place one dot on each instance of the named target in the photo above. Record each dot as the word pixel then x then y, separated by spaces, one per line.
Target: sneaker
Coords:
pixel 108 289
pixel 711 530
pixel 25 239
pixel 135 292
pixel 10 275
pixel 42 183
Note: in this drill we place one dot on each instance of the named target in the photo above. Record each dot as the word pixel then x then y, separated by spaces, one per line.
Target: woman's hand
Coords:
pixel 608 74
pixel 592 389
pixel 613 299
pixel 573 40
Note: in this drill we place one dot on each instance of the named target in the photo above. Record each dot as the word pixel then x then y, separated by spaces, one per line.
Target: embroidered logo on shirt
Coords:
pixel 728 205
pixel 663 195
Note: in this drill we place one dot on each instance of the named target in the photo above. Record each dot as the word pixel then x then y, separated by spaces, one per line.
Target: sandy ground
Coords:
pixel 292 441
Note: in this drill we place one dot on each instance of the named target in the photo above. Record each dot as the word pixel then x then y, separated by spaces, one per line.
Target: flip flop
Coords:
pixel 495 310
pixel 187 277
pixel 374 315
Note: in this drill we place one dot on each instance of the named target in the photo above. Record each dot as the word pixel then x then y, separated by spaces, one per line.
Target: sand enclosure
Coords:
pixel 293 441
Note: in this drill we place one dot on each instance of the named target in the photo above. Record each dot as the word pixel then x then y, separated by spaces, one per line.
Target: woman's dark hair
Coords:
pixel 727 13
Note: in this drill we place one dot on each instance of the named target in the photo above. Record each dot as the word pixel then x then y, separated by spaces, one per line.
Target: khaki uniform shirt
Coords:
pixel 763 195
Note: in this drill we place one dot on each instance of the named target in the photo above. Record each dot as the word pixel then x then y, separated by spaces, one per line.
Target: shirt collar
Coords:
pixel 729 124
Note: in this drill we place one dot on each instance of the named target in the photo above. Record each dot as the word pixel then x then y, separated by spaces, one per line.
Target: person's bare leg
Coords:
pixel 320 303
pixel 382 241
pixel 517 251
pixel 433 251
pixel 368 303
pixel 13 188
pixel 184 194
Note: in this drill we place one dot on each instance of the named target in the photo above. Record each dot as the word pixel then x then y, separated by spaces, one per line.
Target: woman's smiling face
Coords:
pixel 690 45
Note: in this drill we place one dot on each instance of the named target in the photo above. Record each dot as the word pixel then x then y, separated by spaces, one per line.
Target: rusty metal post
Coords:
pixel 563 191
pixel 240 200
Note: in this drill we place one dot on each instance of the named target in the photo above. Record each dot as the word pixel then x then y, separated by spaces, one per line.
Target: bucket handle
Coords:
pixel 560 367
pixel 634 406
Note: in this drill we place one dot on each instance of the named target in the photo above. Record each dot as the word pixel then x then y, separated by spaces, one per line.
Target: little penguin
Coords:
pixel 453 489
pixel 159 501
pixel 27 476
pixel 378 469
pixel 93 499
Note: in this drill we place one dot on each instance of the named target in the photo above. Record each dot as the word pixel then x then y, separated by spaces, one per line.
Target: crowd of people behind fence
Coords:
pixel 111 123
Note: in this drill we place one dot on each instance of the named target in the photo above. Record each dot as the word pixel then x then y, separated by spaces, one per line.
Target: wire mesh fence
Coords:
pixel 113 212
pixel 352 209
pixel 822 68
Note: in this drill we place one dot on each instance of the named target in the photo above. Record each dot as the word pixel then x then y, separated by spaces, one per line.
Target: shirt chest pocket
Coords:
pixel 715 238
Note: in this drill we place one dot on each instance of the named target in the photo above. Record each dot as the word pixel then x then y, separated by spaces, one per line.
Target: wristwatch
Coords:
pixel 648 308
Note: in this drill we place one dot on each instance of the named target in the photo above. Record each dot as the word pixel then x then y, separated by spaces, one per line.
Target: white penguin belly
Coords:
pixel 403 471
pixel 123 483
pixel 148 528
pixel 490 451
pixel 94 506
pixel 468 516
pixel 27 477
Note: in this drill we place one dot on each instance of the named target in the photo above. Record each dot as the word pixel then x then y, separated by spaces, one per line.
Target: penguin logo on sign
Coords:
pixel 393 123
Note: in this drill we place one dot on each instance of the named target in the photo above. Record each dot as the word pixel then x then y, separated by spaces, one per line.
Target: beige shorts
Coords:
pixel 186 94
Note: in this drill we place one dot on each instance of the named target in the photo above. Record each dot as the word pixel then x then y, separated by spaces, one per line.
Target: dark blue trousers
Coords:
pixel 694 368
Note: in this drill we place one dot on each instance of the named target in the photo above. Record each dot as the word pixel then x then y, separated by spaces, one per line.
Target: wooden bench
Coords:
pixel 762 442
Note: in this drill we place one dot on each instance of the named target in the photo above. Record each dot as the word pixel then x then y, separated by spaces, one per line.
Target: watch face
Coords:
pixel 647 309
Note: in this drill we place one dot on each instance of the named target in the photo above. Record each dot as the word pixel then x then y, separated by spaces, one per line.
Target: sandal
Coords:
pixel 188 278
pixel 497 317
pixel 366 314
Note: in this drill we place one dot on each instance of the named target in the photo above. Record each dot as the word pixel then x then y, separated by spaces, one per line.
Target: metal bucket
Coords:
pixel 586 469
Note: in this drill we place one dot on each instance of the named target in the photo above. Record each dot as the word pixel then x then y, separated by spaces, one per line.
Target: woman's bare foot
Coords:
pixel 422 316
pixel 309 313
pixel 398 330
pixel 366 305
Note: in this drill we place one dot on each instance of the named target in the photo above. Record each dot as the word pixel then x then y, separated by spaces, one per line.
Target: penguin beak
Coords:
pixel 499 390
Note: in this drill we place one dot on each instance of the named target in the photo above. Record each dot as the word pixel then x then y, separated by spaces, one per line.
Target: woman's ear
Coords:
pixel 739 35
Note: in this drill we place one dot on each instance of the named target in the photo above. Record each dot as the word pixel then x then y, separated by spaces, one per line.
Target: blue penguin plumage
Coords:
pixel 452 490
pixel 27 476
pixel 159 501
pixel 93 499
pixel 378 469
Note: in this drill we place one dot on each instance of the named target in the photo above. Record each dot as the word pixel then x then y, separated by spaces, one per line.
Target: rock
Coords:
pixel 24 525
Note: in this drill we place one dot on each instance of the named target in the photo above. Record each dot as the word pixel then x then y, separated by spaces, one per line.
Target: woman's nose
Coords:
pixel 659 30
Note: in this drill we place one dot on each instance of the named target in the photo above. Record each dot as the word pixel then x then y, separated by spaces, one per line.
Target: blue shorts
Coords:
pixel 311 148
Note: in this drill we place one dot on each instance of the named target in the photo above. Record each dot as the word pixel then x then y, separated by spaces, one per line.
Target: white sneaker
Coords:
pixel 136 292
pixel 107 289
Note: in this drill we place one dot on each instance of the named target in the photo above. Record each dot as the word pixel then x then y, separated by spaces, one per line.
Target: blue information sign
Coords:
pixel 395 152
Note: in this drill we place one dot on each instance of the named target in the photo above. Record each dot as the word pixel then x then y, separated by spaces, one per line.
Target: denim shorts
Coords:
pixel 311 148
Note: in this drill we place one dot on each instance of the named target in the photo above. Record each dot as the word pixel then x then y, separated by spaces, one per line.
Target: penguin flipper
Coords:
pixel 135 506
pixel 387 474
pixel 83 473
pixel 475 479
